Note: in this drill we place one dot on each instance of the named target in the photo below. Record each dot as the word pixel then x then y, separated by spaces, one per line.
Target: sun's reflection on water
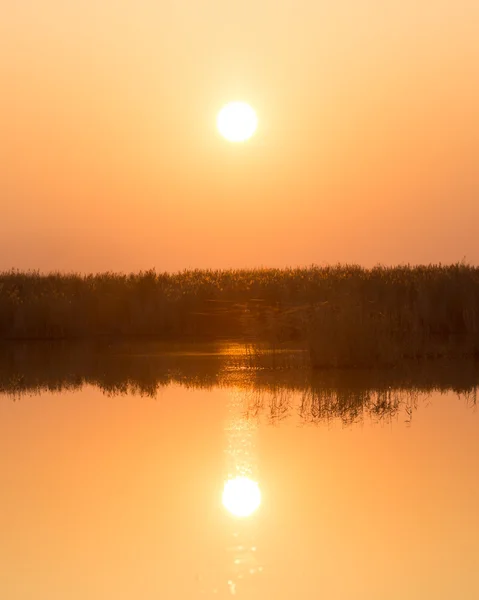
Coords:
pixel 241 492
pixel 241 496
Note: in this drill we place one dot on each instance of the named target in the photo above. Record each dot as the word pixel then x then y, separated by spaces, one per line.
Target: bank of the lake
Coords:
pixel 345 316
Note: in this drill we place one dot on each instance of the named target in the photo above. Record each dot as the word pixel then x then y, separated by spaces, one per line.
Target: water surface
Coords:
pixel 112 480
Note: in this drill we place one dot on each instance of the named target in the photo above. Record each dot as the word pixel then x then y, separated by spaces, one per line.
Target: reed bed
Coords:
pixel 345 315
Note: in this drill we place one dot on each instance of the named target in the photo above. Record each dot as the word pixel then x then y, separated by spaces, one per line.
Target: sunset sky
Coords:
pixel 367 148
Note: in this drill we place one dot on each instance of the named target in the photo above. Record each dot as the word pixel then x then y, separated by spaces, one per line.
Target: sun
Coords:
pixel 241 496
pixel 237 121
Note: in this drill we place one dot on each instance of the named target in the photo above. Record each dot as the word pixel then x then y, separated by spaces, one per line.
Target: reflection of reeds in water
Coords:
pixel 145 369
pixel 315 405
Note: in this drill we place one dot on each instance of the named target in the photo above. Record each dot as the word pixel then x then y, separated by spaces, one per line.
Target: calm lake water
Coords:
pixel 117 470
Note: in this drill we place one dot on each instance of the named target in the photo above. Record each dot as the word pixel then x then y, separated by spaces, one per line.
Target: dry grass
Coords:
pixel 383 316
pixel 344 315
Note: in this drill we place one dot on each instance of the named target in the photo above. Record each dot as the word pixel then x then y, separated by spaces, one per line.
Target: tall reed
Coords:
pixel 345 315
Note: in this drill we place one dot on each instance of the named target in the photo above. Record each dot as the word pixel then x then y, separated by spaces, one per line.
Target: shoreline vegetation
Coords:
pixel 342 316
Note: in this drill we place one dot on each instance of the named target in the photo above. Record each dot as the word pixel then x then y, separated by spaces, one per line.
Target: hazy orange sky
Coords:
pixel 367 148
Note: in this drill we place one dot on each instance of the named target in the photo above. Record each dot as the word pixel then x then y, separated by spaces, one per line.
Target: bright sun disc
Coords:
pixel 241 496
pixel 237 121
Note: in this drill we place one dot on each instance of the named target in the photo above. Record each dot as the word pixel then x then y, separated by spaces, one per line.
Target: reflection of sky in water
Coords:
pixel 120 496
